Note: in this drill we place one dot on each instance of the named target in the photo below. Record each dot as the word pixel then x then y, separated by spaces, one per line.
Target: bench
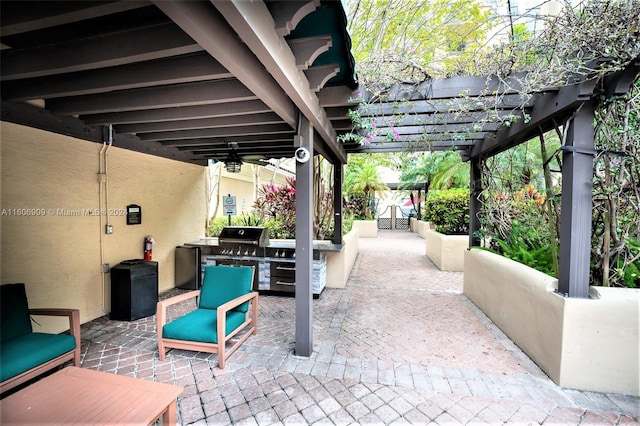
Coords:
pixel 25 354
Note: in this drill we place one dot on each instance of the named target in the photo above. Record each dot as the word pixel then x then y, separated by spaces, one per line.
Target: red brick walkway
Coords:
pixel 400 345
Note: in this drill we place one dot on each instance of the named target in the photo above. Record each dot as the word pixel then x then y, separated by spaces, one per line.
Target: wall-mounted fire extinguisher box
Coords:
pixel 148 247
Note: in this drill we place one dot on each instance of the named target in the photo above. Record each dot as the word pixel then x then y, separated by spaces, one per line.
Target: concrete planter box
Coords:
pixel 339 264
pixel 446 251
pixel 420 227
pixel 366 228
pixel 587 344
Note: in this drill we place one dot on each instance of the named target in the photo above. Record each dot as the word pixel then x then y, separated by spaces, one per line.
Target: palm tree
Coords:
pixel 362 179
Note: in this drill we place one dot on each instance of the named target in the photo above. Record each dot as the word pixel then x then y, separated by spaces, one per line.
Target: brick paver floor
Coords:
pixel 399 345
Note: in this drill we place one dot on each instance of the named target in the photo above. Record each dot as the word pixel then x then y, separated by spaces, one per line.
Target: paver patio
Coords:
pixel 400 344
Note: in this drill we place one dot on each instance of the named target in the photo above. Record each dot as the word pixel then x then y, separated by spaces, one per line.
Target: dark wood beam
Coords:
pixel 507 102
pixel 259 34
pixel 217 133
pixel 136 45
pixel 210 92
pixel 551 105
pixel 201 123
pixel 182 69
pixel 21 17
pixel 205 25
pixel 275 137
pixel 179 113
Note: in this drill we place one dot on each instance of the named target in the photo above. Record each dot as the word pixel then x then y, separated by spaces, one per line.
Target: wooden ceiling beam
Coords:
pixel 201 123
pixel 20 17
pixel 135 45
pixel 182 69
pixel 252 23
pixel 205 25
pixel 274 137
pixel 179 113
pixel 220 91
pixel 217 133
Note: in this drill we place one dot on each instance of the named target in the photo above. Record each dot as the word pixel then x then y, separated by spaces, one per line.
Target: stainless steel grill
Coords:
pixel 254 236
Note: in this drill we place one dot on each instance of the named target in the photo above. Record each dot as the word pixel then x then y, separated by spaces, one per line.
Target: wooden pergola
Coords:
pixel 483 116
pixel 195 81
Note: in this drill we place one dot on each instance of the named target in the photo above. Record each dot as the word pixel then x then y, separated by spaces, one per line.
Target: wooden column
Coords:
pixel 577 203
pixel 474 201
pixel 304 244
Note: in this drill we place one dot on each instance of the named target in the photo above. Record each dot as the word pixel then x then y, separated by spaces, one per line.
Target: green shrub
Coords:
pixel 524 246
pixel 448 210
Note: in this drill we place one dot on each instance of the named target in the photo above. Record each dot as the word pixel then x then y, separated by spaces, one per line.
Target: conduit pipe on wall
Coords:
pixel 103 183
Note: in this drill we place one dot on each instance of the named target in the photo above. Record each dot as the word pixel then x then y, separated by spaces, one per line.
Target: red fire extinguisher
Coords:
pixel 148 247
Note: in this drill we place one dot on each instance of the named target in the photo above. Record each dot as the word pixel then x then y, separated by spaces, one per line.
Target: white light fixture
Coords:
pixel 233 164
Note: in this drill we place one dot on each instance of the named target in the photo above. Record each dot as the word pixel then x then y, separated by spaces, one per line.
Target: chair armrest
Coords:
pixel 179 298
pixel 161 310
pixel 221 312
pixel 72 314
pixel 237 302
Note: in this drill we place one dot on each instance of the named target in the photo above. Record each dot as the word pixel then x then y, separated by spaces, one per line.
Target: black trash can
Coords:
pixel 134 289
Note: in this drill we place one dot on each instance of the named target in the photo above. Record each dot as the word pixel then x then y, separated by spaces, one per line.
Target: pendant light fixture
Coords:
pixel 233 164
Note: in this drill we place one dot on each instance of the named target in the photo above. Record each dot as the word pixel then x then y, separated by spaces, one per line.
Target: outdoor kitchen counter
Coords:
pixel 320 245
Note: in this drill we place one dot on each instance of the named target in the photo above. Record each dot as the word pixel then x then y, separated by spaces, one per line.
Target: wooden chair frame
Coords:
pixel 251 321
pixel 74 355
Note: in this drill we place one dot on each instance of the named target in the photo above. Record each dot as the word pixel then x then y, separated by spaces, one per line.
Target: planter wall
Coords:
pixel 446 251
pixel 420 227
pixel 366 228
pixel 339 264
pixel 587 344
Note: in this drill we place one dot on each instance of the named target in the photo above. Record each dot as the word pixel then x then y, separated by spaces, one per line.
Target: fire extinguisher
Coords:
pixel 148 247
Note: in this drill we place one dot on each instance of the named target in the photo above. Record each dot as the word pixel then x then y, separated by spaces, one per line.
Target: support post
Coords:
pixel 474 201
pixel 338 176
pixel 304 244
pixel 577 203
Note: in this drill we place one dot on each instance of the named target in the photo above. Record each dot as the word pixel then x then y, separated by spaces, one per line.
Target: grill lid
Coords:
pixel 257 236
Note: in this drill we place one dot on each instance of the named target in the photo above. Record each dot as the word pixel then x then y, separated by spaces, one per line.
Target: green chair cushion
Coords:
pixel 29 351
pixel 201 326
pixel 14 312
pixel 224 283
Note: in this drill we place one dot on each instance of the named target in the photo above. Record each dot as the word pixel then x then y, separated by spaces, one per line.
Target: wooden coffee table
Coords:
pixel 83 396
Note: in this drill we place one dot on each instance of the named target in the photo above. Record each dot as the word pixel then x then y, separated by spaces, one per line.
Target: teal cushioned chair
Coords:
pixel 25 354
pixel 226 306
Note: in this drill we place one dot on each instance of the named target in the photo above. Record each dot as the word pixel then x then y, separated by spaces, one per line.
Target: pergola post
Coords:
pixel 304 244
pixel 338 176
pixel 474 201
pixel 577 203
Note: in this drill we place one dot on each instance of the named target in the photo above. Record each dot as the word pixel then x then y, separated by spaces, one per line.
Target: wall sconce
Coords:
pixel 233 164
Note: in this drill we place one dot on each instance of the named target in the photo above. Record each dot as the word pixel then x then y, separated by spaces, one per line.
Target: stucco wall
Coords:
pixel 245 186
pixel 340 264
pixel 588 344
pixel 446 251
pixel 57 252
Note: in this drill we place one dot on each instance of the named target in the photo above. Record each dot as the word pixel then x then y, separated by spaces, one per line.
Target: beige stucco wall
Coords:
pixel 58 253
pixel 366 228
pixel 446 251
pixel 245 186
pixel 340 264
pixel 588 344
pixel 420 227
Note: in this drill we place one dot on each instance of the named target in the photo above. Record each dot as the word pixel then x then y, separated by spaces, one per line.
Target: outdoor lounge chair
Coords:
pixel 25 354
pixel 226 307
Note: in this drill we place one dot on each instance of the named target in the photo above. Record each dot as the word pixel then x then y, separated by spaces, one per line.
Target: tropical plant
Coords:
pixel 362 180
pixel 448 210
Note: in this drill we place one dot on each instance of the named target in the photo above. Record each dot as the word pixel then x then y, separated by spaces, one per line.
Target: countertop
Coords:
pixel 320 245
